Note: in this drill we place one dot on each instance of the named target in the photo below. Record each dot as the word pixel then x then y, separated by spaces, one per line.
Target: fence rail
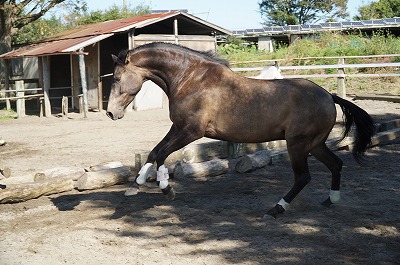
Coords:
pixel 340 67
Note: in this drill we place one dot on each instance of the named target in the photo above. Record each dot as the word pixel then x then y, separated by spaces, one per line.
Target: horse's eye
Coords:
pixel 117 79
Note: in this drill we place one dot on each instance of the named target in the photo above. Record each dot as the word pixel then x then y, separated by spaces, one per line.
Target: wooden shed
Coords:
pixel 78 61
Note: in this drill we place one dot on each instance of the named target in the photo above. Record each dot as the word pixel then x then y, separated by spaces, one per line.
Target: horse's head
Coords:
pixel 128 80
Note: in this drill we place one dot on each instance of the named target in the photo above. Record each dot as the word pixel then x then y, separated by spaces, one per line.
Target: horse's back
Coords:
pixel 261 110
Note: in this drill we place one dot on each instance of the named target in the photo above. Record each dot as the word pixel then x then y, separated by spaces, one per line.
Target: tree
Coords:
pixel 294 12
pixel 15 14
pixel 114 12
pixel 379 9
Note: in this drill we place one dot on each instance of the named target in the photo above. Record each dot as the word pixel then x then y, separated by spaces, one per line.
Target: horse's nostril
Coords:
pixel 110 115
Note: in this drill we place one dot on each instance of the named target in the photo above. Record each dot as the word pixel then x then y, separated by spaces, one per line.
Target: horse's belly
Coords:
pixel 246 133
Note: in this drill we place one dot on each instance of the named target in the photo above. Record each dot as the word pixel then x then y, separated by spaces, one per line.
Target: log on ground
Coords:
pixel 103 178
pixel 23 192
pixel 213 167
pixel 73 173
pixel 253 161
pixel 105 165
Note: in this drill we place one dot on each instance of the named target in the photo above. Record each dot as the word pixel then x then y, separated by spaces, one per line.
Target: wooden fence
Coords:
pixel 340 67
pixel 20 97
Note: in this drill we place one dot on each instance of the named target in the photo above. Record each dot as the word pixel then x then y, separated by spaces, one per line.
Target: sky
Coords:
pixel 228 14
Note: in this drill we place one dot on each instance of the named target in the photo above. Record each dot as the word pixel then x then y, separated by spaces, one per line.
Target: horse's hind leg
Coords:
pixel 298 158
pixel 334 164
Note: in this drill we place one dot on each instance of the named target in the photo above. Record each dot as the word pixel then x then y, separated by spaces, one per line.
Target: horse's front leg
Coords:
pixel 145 171
pixel 178 140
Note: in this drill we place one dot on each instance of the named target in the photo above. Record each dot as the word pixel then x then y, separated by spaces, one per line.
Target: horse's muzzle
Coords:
pixel 111 116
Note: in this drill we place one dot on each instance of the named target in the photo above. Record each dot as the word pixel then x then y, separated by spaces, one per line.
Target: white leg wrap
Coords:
pixel 162 176
pixel 163 184
pixel 334 195
pixel 283 203
pixel 143 173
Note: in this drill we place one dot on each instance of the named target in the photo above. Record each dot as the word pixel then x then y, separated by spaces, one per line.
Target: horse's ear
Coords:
pixel 116 60
pixel 127 58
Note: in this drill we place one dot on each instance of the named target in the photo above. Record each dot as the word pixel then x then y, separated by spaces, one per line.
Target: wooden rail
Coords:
pixel 340 66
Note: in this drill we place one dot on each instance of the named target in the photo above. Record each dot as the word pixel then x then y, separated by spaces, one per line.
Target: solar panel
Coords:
pixel 331 25
pixel 389 20
pixel 373 22
pixel 321 26
pixel 316 26
pixel 294 27
pixel 352 23
pixel 357 23
pixel 258 30
pixel 239 32
pixel 277 29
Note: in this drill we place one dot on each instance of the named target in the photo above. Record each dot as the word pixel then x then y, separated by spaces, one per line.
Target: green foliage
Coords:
pixel 238 50
pixel 323 45
pixel 112 13
pixel 293 12
pixel 38 30
pixel 379 9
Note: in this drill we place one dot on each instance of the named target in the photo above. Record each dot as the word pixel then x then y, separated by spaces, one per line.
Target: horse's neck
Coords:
pixel 164 69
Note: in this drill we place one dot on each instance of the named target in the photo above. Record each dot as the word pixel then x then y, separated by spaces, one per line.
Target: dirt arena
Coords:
pixel 213 221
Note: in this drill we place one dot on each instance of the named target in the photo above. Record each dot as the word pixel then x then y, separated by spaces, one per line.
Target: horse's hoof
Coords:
pixel 132 190
pixel 278 209
pixel 170 195
pixel 327 203
pixel 268 217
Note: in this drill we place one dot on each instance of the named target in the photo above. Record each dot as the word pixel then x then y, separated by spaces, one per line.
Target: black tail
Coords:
pixel 365 127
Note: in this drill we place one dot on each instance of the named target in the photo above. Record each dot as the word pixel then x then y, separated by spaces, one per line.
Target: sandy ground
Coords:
pixel 213 221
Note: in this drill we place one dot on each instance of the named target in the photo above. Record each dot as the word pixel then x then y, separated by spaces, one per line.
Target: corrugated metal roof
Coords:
pixel 71 41
pixel 109 26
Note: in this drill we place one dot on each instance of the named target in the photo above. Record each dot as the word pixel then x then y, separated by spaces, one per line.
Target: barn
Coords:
pixel 78 61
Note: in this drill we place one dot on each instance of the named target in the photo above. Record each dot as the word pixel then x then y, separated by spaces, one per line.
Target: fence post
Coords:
pixel 7 82
pixel 64 106
pixel 82 72
pixel 46 85
pixel 341 79
pixel 19 86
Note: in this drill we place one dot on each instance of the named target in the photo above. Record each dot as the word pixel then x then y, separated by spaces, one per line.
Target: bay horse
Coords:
pixel 208 99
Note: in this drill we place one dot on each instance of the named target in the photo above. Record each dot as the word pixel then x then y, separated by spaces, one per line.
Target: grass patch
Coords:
pixel 7 114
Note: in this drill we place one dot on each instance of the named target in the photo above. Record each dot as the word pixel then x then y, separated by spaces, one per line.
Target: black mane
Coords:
pixel 210 56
